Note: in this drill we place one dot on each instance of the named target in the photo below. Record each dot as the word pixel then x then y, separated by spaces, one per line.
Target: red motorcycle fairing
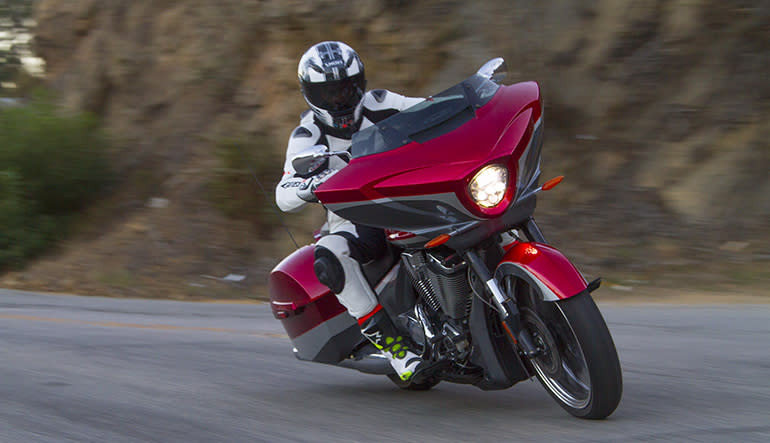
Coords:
pixel 319 327
pixel 422 186
pixel 545 267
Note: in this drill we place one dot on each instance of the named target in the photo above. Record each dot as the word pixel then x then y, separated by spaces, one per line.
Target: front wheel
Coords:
pixel 578 363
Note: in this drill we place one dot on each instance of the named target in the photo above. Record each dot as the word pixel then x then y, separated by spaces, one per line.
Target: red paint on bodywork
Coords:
pixel 295 290
pixel 499 133
pixel 548 265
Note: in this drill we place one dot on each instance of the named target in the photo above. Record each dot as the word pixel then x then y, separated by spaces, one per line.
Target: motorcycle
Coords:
pixel 453 181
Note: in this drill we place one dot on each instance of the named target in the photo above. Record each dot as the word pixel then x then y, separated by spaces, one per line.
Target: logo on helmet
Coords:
pixel 331 55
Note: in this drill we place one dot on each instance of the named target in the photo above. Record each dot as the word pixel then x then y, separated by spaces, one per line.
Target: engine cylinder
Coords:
pixel 444 287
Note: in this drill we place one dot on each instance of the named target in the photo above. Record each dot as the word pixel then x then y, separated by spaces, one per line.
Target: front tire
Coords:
pixel 578 365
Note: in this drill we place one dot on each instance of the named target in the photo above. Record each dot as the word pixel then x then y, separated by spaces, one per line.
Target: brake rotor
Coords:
pixel 548 358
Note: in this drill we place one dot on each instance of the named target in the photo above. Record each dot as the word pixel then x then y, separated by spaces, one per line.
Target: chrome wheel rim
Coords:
pixel 560 365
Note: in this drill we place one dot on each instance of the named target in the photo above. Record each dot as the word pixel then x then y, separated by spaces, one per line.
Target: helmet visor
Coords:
pixel 336 95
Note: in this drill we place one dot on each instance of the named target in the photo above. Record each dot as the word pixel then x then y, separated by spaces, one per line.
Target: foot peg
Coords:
pixel 428 370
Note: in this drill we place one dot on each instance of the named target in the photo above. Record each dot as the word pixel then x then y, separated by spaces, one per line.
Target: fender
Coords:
pixel 545 267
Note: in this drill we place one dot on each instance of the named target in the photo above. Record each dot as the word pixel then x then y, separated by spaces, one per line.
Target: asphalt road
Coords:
pixel 97 369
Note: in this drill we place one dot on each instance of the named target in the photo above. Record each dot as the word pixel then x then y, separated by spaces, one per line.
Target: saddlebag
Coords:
pixel 319 327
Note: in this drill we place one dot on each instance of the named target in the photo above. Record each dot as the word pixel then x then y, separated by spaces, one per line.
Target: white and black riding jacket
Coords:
pixel 377 105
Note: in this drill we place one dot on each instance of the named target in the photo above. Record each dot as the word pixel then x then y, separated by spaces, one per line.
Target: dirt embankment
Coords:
pixel 658 113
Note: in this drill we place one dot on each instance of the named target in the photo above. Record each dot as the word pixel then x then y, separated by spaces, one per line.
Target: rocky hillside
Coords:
pixel 657 112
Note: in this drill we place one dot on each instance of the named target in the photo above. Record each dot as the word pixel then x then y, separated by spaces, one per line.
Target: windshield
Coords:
pixel 435 116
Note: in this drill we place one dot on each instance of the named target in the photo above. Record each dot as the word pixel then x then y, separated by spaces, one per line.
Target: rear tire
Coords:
pixel 580 367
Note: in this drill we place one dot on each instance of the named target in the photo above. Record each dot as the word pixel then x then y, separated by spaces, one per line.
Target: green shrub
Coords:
pixel 23 232
pixel 51 166
pixel 61 159
pixel 233 188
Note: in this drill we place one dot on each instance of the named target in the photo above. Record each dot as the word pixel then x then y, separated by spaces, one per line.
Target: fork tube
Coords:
pixel 533 231
pixel 509 312
pixel 480 268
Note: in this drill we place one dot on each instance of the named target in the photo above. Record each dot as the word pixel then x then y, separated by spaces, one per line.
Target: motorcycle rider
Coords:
pixel 332 80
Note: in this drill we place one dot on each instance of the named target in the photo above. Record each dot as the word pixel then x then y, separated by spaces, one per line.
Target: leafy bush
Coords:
pixel 51 166
pixel 233 187
pixel 22 231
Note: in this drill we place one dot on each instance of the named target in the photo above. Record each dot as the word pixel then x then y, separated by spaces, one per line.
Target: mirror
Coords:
pixel 494 70
pixel 310 160
pixel 315 159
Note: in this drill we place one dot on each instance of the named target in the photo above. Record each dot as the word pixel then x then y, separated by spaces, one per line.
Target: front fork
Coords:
pixel 507 308
pixel 533 232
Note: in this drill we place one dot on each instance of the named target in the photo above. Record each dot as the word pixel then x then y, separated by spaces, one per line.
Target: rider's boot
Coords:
pixel 399 349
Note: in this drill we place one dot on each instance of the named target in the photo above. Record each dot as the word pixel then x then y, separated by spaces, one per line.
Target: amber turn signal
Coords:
pixel 550 184
pixel 440 240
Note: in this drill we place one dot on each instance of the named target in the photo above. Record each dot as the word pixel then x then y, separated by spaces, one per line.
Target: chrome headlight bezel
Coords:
pixel 488 187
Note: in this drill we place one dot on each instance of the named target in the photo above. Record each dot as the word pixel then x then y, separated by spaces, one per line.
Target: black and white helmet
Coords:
pixel 332 79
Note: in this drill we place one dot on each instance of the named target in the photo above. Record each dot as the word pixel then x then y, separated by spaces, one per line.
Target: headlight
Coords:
pixel 487 188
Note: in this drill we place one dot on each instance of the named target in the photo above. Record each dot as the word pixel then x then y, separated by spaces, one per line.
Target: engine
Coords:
pixel 442 282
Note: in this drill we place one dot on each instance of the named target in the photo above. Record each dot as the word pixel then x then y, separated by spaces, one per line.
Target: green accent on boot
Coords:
pixel 406 375
pixel 398 349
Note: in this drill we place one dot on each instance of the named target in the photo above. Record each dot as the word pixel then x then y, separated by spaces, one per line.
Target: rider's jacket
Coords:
pixel 377 105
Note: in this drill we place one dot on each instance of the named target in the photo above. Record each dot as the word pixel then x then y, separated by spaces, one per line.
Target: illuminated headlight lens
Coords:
pixel 488 186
